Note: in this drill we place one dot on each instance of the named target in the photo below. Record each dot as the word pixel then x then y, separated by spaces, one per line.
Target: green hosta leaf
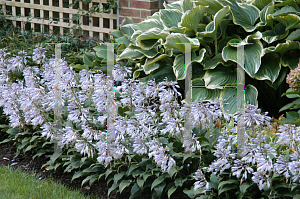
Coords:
pixel 291 94
pixel 200 57
pixel 187 5
pixel 176 40
pixel 253 53
pixel 244 14
pixel 213 6
pixel 227 182
pixel 157 181
pixel 118 176
pixel 77 175
pixel 140 182
pixel 196 82
pixel 171 191
pixel 179 67
pixel 127 30
pixel 290 58
pixel 219 78
pixel 123 185
pixel 244 187
pixel 152 35
pixel 159 189
pixel 135 190
pixel 295 35
pixel 270 67
pixel 211 28
pixel 284 11
pixel 214 181
pixel 290 20
pixel 191 19
pixel 112 188
pixel 260 4
pixel 227 188
pixel 170 17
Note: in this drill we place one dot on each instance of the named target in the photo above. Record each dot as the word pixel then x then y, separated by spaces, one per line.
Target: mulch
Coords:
pixel 25 163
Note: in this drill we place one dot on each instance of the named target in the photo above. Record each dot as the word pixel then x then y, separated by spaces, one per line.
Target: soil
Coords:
pixel 25 163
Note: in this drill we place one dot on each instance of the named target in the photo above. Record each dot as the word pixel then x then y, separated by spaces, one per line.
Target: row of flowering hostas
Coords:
pixel 152 120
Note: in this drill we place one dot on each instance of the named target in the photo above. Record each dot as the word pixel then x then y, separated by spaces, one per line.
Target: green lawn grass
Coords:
pixel 15 184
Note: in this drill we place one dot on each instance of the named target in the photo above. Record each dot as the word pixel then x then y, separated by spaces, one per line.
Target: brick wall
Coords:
pixel 138 10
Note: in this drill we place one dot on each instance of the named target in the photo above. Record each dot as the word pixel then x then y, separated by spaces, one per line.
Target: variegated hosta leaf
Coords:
pixel 130 54
pixel 198 82
pixel 159 75
pixel 220 77
pixel 295 35
pixel 148 53
pixel 117 33
pixel 211 28
pixel 187 5
pixel 170 17
pixel 285 10
pixel 236 42
pixel 125 28
pixel 270 67
pixel 213 6
pixel 191 18
pixel 229 95
pixel 176 40
pixel 253 54
pixel 281 77
pixel 244 14
pixel 213 63
pixel 265 14
pixel 260 4
pixel 146 25
pixel 205 94
pixel 151 65
pixel 289 20
pixel 279 33
pixel 123 40
pixel 282 47
pixel 175 5
pixel 179 63
pixel 152 35
pixel 290 58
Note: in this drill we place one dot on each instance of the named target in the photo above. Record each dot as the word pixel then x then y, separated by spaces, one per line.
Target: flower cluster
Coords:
pixel 293 78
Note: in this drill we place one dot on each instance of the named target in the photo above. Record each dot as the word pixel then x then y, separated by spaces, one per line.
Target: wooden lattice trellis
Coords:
pixel 58 14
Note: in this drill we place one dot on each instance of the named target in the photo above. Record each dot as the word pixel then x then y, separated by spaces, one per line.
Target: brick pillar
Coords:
pixel 138 10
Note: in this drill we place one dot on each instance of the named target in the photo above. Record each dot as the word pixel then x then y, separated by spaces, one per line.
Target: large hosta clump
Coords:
pixel 269 33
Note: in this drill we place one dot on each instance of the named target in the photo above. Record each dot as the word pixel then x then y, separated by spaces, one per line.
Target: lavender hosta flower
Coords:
pixel 241 169
pixel 219 165
pixel 200 181
pixel 190 143
pixel 18 61
pixel 121 72
pixel 289 135
pixel 261 179
pixel 281 166
pixel 84 148
pixel 39 55
pixel 46 130
pixel 69 136
pixel 252 116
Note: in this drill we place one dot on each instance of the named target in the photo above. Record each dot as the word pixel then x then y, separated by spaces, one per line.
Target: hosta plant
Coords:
pixel 267 30
pixel 151 147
